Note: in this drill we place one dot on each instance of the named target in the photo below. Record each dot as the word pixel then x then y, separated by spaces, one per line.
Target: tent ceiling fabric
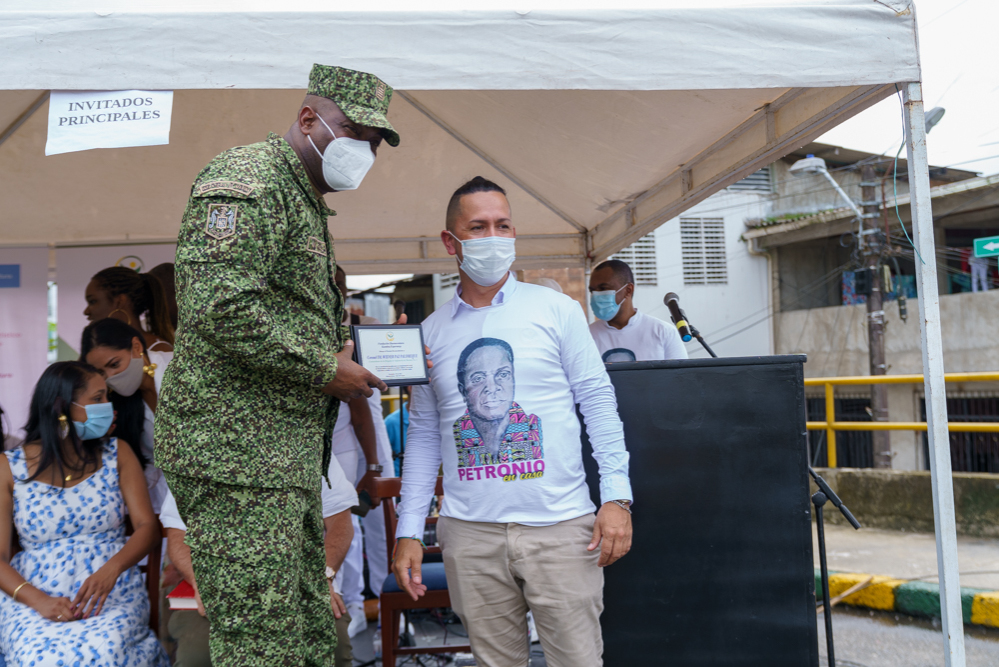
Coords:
pixel 596 146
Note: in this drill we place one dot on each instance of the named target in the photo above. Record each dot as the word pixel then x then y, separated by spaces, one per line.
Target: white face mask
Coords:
pixel 127 382
pixel 346 161
pixel 486 260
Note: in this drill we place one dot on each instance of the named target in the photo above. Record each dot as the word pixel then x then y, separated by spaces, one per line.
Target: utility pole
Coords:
pixel 872 250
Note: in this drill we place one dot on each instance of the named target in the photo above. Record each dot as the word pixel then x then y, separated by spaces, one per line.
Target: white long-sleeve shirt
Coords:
pixel 516 368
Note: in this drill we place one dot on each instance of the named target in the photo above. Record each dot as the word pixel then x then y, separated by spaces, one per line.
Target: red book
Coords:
pixel 182 597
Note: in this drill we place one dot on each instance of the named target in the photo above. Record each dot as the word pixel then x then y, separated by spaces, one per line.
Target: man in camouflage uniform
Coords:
pixel 248 403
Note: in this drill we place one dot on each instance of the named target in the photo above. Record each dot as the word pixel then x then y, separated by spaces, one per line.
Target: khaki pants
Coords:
pixel 497 571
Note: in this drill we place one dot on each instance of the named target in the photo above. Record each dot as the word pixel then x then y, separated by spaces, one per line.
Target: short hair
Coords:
pixel 477 184
pixel 620 269
pixel 476 345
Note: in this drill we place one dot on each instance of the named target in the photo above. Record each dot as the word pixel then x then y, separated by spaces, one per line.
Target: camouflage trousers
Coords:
pixel 259 562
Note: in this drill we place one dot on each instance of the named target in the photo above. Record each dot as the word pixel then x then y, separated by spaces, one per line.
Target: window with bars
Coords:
pixel 702 243
pixel 760 181
pixel 641 257
pixel 449 280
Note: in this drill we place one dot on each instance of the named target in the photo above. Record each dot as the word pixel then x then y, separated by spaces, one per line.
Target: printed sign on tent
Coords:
pixel 79 121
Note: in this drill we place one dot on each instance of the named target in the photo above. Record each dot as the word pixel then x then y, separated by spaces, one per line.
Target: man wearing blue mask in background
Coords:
pixel 620 328
pixel 517 528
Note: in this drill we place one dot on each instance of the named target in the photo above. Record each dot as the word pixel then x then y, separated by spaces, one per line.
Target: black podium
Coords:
pixel 720 571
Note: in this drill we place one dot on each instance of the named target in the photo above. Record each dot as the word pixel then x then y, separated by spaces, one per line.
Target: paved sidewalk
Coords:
pixel 907 555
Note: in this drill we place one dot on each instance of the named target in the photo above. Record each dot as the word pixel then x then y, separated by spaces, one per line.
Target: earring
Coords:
pixel 63 427
pixel 119 310
pixel 149 370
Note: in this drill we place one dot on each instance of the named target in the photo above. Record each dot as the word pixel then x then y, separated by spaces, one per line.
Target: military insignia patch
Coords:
pixel 243 189
pixel 221 220
pixel 380 90
pixel 316 246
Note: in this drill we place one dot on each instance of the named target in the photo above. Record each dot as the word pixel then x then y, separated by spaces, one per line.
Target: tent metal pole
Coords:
pixel 933 373
pixel 20 120
pixel 489 160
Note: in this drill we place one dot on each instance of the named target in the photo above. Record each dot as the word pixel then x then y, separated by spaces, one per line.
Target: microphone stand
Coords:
pixel 819 498
pixel 697 334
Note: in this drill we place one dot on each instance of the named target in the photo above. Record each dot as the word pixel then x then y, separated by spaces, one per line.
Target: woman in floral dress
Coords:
pixel 74 595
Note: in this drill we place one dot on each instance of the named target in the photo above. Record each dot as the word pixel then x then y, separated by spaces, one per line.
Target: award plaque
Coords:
pixel 395 353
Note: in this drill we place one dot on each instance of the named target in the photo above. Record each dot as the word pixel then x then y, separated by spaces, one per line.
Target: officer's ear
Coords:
pixel 307 119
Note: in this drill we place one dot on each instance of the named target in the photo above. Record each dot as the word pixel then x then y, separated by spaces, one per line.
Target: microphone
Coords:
pixel 672 301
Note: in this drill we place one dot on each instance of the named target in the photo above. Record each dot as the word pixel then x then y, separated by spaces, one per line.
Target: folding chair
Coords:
pixel 394 600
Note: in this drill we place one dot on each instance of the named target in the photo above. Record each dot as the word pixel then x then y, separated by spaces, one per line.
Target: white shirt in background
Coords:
pixel 154 476
pixel 643 338
pixel 537 479
pixel 340 497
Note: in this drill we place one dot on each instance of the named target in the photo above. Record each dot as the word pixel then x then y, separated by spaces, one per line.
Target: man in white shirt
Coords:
pixel 517 528
pixel 621 332
pixel 190 629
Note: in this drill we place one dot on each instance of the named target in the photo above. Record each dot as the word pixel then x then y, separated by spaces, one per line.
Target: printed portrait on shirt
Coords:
pixel 493 429
pixel 617 355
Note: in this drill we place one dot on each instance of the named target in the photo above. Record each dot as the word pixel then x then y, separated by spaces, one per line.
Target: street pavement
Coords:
pixel 864 638
pixel 907 555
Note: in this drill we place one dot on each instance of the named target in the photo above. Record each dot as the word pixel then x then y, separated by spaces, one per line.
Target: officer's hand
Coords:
pixel 407 566
pixel 352 380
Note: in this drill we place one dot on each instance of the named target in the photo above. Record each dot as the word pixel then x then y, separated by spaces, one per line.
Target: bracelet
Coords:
pixel 18 589
pixel 623 505
pixel 396 548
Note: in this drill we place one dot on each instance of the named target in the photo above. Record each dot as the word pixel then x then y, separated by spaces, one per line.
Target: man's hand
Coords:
pixel 612 532
pixel 407 567
pixel 352 380
pixel 197 598
pixel 366 483
pixel 339 608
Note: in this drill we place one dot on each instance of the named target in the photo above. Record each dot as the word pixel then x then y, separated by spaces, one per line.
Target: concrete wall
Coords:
pixel 835 340
pixel 903 500
pixel 733 318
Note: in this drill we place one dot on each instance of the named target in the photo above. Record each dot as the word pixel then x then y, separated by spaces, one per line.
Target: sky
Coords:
pixel 958 50
pixel 957 43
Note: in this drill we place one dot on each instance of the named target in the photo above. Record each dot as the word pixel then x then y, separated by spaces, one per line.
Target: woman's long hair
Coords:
pixel 59 386
pixel 146 293
pixel 131 411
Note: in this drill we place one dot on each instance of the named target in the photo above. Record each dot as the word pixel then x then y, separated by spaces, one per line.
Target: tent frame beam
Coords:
pixel 488 159
pixel 776 146
pixel 941 476
pixel 22 119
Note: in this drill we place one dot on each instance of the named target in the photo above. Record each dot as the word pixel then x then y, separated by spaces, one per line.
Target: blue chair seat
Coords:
pixel 432 574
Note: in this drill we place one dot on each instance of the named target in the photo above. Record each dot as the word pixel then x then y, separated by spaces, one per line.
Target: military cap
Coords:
pixel 363 97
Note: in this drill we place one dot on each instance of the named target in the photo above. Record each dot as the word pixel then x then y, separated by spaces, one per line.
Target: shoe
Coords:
pixel 358 621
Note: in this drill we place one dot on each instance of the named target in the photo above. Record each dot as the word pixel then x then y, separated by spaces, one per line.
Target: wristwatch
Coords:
pixel 330 574
pixel 375 467
pixel 623 504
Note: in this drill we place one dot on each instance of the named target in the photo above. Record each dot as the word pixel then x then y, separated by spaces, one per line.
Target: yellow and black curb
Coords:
pixel 915 598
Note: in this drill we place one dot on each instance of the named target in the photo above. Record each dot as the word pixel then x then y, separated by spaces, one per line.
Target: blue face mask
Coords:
pixel 99 419
pixel 604 304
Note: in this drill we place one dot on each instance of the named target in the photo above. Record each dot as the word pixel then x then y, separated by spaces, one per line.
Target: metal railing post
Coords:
pixel 830 425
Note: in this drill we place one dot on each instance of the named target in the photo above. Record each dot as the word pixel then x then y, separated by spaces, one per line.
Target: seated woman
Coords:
pixel 74 595
pixel 134 374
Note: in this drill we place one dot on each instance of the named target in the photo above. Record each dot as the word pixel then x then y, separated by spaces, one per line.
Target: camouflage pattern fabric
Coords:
pixel 260 322
pixel 363 97
pixel 268 606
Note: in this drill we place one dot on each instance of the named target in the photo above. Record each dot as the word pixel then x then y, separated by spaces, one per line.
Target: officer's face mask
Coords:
pixel 604 304
pixel 99 419
pixel 486 260
pixel 346 161
pixel 127 382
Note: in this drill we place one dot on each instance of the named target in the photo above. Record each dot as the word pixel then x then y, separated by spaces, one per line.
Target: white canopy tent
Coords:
pixel 602 123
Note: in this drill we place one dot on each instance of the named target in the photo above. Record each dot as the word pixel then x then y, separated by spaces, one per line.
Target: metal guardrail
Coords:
pixel 830 426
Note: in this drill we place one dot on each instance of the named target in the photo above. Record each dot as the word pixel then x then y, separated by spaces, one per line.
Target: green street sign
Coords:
pixel 987 247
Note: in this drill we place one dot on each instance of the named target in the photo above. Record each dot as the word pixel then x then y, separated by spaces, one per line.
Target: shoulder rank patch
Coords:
pixel 316 246
pixel 221 220
pixel 244 189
